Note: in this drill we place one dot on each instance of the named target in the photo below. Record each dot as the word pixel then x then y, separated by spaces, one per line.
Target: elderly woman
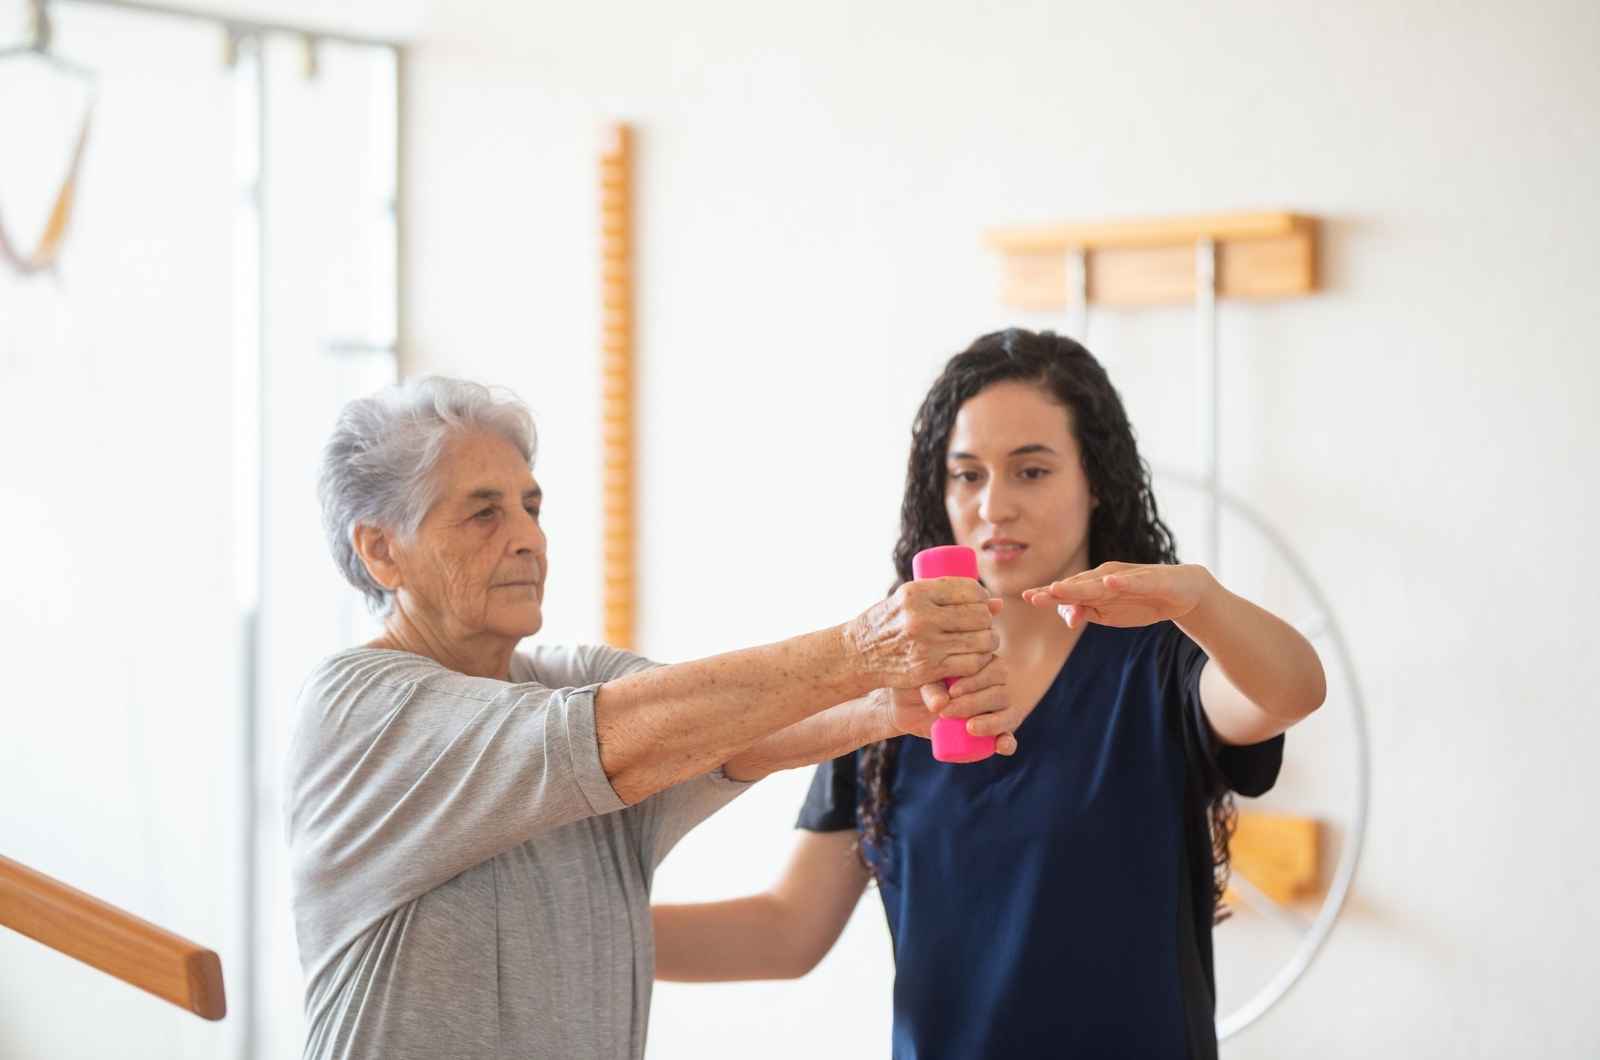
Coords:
pixel 474 829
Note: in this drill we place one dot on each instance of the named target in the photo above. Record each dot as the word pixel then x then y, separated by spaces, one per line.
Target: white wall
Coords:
pixel 814 182
pixel 125 759
pixel 120 750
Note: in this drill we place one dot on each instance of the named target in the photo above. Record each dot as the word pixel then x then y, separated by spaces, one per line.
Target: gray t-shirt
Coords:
pixel 466 883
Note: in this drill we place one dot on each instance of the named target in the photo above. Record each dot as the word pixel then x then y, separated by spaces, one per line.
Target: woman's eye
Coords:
pixel 964 476
pixel 485 515
pixel 535 513
pixel 1035 472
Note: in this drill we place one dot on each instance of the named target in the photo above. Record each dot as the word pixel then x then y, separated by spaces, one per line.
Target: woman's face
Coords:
pixel 1015 489
pixel 477 564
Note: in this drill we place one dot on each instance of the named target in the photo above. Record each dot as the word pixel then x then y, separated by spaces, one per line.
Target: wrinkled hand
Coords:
pixel 925 631
pixel 911 716
pixel 1126 594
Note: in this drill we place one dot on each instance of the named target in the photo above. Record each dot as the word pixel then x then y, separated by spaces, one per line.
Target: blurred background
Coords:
pixel 280 206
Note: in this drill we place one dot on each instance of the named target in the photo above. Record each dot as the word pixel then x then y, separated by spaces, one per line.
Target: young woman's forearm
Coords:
pixel 1262 657
pixel 717 942
pixel 836 731
pixel 777 934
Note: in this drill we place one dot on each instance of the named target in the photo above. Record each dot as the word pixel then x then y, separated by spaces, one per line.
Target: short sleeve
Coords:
pixel 402 774
pixel 1249 770
pixel 664 818
pixel 571 666
pixel 830 804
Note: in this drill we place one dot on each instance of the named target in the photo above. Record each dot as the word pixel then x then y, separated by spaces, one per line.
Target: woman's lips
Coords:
pixel 1004 551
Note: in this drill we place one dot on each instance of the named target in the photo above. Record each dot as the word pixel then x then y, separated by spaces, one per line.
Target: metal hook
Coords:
pixel 39 16
pixel 39 46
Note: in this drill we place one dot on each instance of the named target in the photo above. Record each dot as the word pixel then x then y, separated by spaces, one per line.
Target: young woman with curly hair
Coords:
pixel 1056 899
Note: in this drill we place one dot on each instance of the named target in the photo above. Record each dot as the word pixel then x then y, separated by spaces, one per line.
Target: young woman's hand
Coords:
pixel 911 716
pixel 981 699
pixel 1126 594
pixel 984 700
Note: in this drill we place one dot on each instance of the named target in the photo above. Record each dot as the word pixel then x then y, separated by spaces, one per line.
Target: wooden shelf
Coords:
pixel 1152 261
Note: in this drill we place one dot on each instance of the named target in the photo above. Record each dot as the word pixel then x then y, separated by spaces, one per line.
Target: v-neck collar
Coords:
pixel 1066 670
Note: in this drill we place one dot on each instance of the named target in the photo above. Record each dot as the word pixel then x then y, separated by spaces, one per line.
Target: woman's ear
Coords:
pixel 373 546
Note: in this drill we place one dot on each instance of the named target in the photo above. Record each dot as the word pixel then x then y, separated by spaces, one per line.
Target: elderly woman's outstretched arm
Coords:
pixel 664 726
pixel 884 714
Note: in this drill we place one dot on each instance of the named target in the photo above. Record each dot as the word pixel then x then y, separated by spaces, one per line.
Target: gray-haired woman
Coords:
pixel 474 829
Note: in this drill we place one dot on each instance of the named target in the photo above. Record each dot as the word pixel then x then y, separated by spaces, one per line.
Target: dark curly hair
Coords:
pixel 1124 526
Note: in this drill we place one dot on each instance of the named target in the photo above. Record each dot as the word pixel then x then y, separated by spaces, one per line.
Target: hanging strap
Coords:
pixel 47 254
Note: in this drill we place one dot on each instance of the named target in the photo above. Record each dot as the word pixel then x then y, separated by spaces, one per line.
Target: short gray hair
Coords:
pixel 377 469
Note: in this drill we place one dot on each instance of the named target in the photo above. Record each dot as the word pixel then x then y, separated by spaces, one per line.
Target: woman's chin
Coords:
pixel 518 622
pixel 1005 579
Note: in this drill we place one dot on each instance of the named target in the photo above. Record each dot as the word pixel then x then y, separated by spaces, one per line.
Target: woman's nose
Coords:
pixel 996 505
pixel 530 537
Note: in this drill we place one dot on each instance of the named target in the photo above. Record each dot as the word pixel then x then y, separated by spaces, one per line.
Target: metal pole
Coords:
pixel 1080 285
pixel 250 444
pixel 255 722
pixel 1210 389
pixel 402 275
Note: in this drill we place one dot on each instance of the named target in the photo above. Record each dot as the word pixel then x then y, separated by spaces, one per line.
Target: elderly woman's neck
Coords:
pixel 477 655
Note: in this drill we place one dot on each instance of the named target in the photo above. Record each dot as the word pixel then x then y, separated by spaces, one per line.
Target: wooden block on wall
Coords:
pixel 1133 263
pixel 1268 268
pixel 1141 275
pixel 1280 854
pixel 1035 281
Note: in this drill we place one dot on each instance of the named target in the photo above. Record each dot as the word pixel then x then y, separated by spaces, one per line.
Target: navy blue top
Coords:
pixel 1058 902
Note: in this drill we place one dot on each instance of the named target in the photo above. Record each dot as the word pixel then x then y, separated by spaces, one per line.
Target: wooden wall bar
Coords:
pixel 616 373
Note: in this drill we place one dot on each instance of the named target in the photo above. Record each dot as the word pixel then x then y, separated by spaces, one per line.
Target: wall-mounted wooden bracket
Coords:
pixel 1151 262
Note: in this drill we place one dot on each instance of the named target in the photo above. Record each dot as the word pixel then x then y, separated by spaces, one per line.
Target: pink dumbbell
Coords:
pixel 951 740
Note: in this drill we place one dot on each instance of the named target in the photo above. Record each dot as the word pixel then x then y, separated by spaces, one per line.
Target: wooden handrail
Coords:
pixel 112 940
